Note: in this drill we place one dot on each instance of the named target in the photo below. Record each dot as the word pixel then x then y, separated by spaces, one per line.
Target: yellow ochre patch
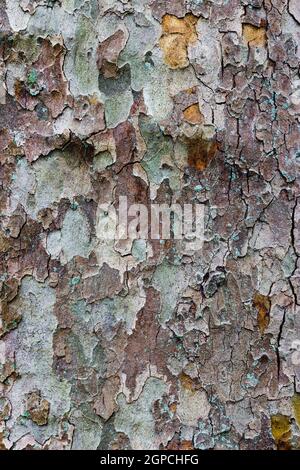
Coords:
pixel 177 34
pixel 281 431
pixel 254 35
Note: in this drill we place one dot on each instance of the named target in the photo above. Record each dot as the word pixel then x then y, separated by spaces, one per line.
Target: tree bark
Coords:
pixel 148 343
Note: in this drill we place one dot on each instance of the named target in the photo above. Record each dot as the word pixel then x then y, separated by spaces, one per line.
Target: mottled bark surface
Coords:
pixel 149 344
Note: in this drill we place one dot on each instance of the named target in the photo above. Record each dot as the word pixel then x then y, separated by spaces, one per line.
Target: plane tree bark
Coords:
pixel 147 343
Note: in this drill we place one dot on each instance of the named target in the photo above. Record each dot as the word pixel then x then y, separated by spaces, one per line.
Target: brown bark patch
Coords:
pixel 201 152
pixel 108 53
pixel 263 306
pixel 38 408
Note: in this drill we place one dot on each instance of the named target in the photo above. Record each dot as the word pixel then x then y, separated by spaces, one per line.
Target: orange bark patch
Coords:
pixel 263 306
pixel 193 115
pixel 254 35
pixel 177 34
pixel 201 152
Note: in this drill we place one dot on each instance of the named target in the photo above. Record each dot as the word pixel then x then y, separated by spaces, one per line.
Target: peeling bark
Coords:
pixel 148 343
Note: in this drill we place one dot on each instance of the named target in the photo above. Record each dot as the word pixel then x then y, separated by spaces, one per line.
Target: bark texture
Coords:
pixel 149 344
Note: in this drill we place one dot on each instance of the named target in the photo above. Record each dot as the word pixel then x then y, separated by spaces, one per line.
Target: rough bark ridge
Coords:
pixel 149 344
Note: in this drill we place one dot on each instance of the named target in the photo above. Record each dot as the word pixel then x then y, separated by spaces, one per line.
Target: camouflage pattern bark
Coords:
pixel 148 344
